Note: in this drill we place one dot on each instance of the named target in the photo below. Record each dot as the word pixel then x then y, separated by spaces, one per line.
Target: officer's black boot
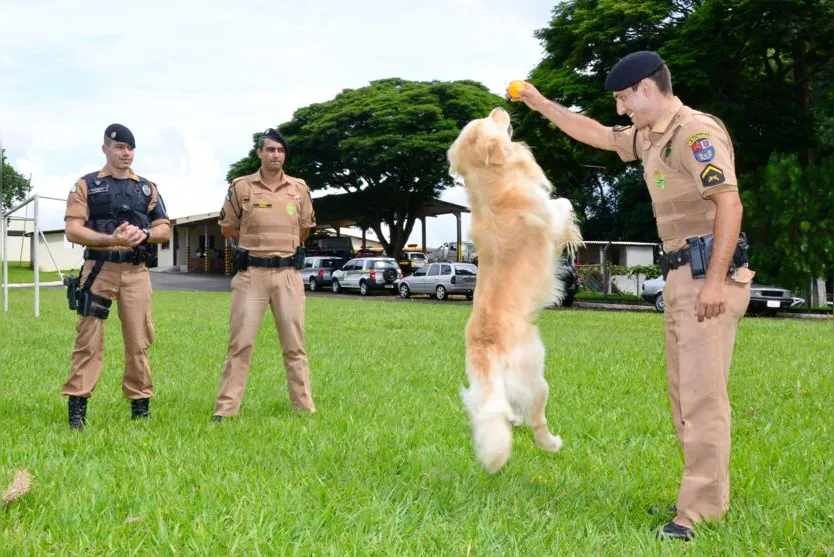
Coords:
pixel 140 408
pixel 77 412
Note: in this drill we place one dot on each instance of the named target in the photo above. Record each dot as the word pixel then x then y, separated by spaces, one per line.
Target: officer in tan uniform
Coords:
pixel 689 168
pixel 269 215
pixel 116 214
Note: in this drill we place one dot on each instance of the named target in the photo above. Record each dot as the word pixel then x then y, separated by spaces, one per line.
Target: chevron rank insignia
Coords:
pixel 712 176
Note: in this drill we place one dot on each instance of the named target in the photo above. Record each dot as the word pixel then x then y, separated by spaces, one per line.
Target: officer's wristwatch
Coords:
pixel 147 236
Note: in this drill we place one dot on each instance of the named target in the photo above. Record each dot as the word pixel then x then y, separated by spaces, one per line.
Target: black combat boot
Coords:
pixel 77 412
pixel 140 408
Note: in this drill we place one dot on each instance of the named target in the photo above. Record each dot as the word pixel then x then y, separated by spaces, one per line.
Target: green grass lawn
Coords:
pixel 20 273
pixel 386 466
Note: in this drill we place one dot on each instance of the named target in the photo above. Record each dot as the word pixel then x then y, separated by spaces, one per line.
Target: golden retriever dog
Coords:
pixel 519 233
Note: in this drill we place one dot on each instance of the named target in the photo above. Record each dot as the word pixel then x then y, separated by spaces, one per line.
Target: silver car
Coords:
pixel 366 274
pixel 318 270
pixel 440 280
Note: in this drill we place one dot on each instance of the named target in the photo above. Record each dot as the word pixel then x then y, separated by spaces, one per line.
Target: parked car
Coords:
pixel 439 280
pixel 653 292
pixel 570 280
pixel 366 274
pixel 763 298
pixel 318 271
pixel 411 259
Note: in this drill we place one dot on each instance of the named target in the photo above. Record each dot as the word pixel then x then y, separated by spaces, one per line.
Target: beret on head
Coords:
pixel 120 134
pixel 275 135
pixel 632 69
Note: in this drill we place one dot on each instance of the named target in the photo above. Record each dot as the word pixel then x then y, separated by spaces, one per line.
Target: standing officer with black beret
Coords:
pixel 690 172
pixel 269 214
pixel 116 215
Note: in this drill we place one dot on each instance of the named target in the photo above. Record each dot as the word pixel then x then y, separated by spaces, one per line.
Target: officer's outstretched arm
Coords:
pixel 577 126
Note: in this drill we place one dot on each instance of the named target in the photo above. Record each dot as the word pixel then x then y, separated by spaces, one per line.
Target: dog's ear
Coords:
pixel 493 152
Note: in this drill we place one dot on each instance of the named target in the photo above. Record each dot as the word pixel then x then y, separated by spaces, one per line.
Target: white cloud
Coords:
pixel 195 80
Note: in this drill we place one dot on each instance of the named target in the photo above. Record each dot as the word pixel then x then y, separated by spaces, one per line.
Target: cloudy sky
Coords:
pixel 195 80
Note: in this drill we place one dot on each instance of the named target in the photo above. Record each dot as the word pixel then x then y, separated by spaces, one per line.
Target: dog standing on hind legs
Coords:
pixel 518 231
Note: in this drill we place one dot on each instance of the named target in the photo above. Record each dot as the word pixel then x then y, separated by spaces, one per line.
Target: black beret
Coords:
pixel 632 69
pixel 275 135
pixel 120 133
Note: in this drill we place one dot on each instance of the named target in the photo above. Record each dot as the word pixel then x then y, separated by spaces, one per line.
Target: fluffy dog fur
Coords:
pixel 518 231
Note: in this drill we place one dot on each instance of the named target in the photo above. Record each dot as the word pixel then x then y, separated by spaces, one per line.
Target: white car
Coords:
pixel 653 292
pixel 366 274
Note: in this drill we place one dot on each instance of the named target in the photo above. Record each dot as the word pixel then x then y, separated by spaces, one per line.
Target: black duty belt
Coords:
pixel 271 261
pixel 113 256
pixel 675 259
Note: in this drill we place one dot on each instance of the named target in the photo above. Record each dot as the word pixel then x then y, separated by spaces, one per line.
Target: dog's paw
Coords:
pixel 548 442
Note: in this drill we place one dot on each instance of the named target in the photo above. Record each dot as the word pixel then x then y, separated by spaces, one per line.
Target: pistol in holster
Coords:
pixel 700 253
pixel 81 298
pixel 300 255
pixel 240 259
pixel 71 283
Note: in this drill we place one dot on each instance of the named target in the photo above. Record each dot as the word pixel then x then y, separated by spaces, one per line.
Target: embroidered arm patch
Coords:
pixel 702 147
pixel 712 176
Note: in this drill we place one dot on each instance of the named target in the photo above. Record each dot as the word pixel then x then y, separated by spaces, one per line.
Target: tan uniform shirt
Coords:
pixel 687 157
pixel 269 217
pixel 77 207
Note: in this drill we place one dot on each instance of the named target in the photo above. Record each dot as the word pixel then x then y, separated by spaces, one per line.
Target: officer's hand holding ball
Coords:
pixel 521 91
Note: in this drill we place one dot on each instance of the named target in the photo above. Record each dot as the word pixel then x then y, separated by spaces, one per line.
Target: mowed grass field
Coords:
pixel 386 466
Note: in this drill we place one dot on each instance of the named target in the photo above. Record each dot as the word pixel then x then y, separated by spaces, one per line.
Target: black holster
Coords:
pixel 300 255
pixel 71 283
pixel 81 299
pixel 240 259
pixel 698 254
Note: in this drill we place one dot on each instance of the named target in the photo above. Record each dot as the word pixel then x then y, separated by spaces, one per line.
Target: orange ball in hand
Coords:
pixel 513 89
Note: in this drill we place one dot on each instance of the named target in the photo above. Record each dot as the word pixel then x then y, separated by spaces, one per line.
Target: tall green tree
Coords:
pixel 15 186
pixel 763 67
pixel 386 143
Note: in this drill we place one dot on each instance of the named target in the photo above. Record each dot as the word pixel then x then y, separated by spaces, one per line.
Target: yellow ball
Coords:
pixel 513 88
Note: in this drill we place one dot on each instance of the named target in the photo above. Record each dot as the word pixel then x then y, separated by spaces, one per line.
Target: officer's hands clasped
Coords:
pixel 127 235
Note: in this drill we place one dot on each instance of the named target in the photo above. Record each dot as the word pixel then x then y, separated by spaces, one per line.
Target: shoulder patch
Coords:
pixel 712 176
pixel 702 147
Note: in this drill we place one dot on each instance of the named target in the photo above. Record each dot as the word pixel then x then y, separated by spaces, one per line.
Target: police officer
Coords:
pixel 116 215
pixel 269 215
pixel 689 169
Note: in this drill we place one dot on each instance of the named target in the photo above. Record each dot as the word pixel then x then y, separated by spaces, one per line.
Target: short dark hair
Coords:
pixel 662 78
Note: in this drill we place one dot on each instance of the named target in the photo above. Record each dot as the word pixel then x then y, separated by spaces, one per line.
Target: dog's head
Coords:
pixel 485 155
pixel 482 143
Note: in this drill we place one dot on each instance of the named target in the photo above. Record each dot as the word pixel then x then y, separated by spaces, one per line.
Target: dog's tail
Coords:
pixel 492 423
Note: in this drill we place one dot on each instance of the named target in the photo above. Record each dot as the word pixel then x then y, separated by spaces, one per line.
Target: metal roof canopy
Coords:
pixel 350 209
pixel 342 210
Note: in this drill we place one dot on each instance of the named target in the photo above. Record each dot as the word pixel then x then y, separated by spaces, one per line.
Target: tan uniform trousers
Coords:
pixel 698 358
pixel 252 291
pixel 130 286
